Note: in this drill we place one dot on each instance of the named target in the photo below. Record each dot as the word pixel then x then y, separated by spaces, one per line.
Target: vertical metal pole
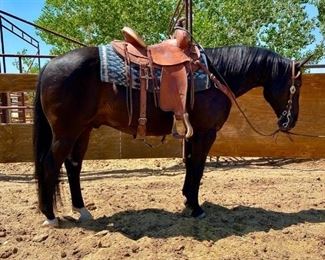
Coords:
pixel 20 64
pixel 190 17
pixel 186 14
pixel 4 116
pixel 22 111
pixel 2 111
pixel 3 96
pixel 39 59
pixel 2 45
pixel 8 111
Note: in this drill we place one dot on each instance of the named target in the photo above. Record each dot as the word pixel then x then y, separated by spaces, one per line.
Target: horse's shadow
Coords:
pixel 220 222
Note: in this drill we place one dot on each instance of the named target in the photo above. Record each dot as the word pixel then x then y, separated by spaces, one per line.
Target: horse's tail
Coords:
pixel 42 139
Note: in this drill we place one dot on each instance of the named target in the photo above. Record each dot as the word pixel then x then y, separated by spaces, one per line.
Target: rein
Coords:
pixel 305 135
pixel 224 88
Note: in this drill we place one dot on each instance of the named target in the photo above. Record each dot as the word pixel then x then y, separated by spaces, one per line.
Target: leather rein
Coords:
pixel 224 88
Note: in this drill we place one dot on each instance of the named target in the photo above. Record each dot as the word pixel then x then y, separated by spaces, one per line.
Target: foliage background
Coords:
pixel 281 25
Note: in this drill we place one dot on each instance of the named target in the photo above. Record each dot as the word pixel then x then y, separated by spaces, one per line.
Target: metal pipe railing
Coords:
pixel 43 28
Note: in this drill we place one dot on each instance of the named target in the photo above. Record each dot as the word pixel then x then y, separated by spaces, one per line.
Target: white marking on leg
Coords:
pixel 51 223
pixel 84 214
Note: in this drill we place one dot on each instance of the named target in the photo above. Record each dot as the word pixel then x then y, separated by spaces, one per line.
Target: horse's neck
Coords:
pixel 242 83
pixel 243 77
pixel 260 76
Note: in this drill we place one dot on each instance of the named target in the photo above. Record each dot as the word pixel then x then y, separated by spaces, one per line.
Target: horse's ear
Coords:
pixel 304 61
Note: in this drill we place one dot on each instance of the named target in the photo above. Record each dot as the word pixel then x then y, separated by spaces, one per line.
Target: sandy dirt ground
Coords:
pixel 256 209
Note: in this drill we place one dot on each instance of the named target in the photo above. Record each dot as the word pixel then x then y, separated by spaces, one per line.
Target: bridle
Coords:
pixel 228 92
pixel 287 112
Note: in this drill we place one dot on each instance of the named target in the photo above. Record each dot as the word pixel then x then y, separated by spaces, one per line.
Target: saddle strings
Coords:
pixel 177 14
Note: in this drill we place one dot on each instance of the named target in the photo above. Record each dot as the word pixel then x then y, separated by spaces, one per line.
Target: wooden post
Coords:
pixel 4 115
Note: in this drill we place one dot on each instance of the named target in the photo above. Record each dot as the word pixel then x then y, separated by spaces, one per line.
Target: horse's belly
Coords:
pixel 158 123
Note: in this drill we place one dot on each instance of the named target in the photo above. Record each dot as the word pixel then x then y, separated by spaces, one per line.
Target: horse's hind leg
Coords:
pixel 59 150
pixel 73 166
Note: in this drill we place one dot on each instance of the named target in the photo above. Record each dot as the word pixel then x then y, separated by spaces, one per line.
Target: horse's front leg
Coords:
pixel 196 151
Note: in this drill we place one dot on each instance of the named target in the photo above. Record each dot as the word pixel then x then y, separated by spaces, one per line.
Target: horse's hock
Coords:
pixel 235 139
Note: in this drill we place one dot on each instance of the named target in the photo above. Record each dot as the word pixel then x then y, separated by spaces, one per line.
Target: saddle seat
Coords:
pixel 174 57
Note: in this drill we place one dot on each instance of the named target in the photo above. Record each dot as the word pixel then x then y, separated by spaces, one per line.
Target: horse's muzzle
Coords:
pixel 285 124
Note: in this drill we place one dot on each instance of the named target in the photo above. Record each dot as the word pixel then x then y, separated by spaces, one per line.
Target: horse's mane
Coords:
pixel 249 62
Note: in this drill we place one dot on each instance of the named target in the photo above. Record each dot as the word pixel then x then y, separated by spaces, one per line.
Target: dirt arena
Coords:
pixel 256 209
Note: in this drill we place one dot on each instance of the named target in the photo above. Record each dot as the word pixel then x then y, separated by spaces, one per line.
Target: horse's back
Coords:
pixel 73 62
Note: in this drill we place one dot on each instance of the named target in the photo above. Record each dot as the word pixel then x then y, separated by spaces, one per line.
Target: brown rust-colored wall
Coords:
pixel 235 139
pixel 238 139
pixel 105 143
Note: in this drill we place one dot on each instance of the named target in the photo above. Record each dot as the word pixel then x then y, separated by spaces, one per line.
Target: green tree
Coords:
pixel 281 25
pixel 28 65
pixel 321 14
pixel 96 22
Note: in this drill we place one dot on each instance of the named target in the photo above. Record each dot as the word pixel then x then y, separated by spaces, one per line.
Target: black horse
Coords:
pixel 71 100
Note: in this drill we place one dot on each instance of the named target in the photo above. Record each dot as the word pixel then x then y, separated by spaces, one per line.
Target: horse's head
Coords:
pixel 283 95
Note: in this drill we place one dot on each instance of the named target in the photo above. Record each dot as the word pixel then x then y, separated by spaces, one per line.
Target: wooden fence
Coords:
pixel 235 139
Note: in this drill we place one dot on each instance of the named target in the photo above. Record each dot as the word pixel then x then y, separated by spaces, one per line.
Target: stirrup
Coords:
pixel 179 129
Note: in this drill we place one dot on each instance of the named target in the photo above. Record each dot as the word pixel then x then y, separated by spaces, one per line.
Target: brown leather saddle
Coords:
pixel 175 58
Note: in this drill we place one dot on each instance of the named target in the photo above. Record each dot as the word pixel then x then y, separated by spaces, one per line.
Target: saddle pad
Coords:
pixel 112 70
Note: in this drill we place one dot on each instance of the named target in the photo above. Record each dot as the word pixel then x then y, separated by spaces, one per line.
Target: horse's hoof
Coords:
pixel 186 204
pixel 54 223
pixel 85 215
pixel 198 213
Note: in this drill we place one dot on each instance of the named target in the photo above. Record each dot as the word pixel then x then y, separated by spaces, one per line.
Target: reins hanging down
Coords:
pixel 224 88
pixel 286 113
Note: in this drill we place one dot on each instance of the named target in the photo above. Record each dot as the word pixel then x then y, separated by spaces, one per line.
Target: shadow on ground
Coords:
pixel 220 222
pixel 225 163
